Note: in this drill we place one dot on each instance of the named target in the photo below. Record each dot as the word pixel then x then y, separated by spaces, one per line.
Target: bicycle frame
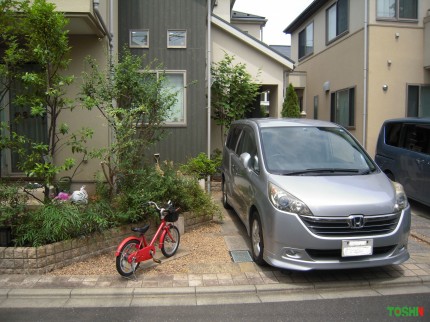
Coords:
pixel 146 251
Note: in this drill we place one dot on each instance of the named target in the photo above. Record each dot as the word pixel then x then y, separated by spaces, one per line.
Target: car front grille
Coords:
pixel 351 226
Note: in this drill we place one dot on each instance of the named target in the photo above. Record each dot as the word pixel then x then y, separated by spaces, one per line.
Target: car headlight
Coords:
pixel 287 202
pixel 401 199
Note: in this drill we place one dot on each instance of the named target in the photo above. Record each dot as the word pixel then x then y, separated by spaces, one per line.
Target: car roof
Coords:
pixel 285 122
pixel 409 120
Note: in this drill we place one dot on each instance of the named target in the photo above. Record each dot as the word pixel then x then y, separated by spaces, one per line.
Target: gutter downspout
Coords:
pixel 109 34
pixel 208 63
pixel 96 4
pixel 366 69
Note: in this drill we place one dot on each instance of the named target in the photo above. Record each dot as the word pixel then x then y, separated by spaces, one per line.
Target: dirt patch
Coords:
pixel 203 245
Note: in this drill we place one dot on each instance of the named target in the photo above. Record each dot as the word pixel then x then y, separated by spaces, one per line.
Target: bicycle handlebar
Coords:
pixel 152 203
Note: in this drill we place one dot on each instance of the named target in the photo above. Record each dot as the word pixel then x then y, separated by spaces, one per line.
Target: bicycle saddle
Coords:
pixel 141 230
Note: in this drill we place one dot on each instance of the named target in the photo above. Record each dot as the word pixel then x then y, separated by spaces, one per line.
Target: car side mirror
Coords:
pixel 245 157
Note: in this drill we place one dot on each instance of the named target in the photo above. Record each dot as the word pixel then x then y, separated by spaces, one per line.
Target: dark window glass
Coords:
pixel 343 107
pixel 392 134
pixel 408 9
pixel 417 138
pixel 337 19
pixel 306 41
pixel 233 137
pixel 418 101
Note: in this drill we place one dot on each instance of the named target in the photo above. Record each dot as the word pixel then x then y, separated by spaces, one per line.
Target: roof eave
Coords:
pixel 305 15
pixel 260 46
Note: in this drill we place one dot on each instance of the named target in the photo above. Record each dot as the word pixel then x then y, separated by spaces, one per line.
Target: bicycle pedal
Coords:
pixel 158 261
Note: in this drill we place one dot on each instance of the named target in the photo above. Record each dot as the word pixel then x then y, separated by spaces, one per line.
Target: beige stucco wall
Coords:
pixel 269 72
pixel 222 9
pixel 83 46
pixel 73 6
pixel 341 66
pixel 253 30
pixel 405 68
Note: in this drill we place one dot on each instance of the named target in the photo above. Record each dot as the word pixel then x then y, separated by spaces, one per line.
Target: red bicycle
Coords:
pixel 134 250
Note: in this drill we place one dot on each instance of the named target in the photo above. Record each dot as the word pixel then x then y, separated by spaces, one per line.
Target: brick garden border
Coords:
pixel 43 259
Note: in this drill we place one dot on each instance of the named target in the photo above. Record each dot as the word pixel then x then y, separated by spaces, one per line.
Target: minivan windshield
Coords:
pixel 313 151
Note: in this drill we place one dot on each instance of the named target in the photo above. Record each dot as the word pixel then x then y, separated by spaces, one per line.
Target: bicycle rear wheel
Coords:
pixel 123 267
pixel 170 245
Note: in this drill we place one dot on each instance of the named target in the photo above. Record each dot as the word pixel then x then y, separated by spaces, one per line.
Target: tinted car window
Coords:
pixel 233 137
pixel 392 134
pixel 417 138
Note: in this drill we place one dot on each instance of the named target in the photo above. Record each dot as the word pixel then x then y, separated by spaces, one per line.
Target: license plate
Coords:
pixel 363 247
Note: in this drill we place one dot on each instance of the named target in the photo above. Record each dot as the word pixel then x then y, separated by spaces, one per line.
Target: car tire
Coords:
pixel 224 196
pixel 257 241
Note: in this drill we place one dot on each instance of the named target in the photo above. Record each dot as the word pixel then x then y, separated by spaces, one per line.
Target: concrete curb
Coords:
pixel 201 295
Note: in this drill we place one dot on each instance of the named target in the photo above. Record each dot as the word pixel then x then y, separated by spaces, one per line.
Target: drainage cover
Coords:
pixel 240 256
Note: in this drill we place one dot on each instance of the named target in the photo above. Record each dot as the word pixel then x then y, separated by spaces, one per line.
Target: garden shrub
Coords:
pixel 12 204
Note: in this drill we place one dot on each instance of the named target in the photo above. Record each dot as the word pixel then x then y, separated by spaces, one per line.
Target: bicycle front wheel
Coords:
pixel 123 267
pixel 170 244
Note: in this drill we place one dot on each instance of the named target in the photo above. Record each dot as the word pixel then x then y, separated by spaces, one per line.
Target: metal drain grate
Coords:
pixel 240 256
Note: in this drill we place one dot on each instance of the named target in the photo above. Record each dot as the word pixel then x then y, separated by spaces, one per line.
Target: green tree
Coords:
pixel 39 38
pixel 233 92
pixel 290 107
pixel 135 103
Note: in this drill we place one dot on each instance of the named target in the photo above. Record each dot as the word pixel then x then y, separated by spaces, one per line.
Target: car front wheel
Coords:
pixel 224 196
pixel 257 239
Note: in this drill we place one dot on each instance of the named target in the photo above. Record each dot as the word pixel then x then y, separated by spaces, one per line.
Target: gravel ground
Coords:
pixel 203 245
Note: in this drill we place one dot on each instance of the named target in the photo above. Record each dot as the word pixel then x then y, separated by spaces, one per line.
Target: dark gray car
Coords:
pixel 403 153
pixel 311 198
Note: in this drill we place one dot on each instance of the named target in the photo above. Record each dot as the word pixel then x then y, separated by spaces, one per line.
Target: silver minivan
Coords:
pixel 311 197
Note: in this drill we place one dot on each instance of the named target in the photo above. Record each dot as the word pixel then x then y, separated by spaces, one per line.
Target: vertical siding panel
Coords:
pixel 158 16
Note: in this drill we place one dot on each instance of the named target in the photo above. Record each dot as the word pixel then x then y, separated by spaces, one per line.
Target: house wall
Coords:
pixel 253 30
pixel 83 46
pixel 405 68
pixel 222 9
pixel 341 63
pixel 158 16
pixel 265 70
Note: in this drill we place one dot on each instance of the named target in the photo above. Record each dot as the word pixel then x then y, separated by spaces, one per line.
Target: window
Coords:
pixel 247 144
pixel 418 101
pixel 21 121
pixel 417 138
pixel 343 107
pixel 176 38
pixel 337 19
pixel 397 9
pixel 233 137
pixel 306 41
pixel 176 84
pixel 139 39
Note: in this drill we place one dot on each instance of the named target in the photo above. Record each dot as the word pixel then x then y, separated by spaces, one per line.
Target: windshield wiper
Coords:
pixel 321 170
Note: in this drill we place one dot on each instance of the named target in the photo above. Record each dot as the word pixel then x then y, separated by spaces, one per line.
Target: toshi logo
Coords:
pixel 405 311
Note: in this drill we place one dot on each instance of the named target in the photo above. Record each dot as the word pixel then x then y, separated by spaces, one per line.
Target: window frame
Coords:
pixel 169 31
pixel 334 116
pixel 305 32
pixel 416 111
pixel 169 123
pixel 130 40
pixel 397 17
pixel 338 34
